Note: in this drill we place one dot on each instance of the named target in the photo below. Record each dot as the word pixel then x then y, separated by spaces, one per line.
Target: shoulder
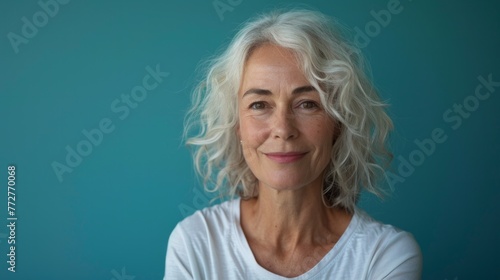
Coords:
pixel 210 218
pixel 395 254
pixel 383 234
pixel 210 222
pixel 194 241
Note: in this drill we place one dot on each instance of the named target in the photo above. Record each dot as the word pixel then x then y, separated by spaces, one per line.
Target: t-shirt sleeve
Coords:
pixel 398 258
pixel 177 261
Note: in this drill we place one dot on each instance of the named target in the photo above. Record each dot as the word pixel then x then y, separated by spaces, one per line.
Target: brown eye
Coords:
pixel 308 105
pixel 257 106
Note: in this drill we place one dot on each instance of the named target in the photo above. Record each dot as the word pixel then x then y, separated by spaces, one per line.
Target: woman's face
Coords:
pixel 286 135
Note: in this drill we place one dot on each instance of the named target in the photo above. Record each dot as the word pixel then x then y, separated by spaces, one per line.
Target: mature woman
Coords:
pixel 291 129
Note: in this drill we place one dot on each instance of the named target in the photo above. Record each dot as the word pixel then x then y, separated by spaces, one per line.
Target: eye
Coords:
pixel 308 105
pixel 257 105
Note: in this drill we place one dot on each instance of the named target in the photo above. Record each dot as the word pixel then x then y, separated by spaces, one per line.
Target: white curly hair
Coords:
pixel 334 66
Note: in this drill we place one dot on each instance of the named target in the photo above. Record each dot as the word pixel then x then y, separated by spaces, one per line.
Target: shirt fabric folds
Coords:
pixel 210 244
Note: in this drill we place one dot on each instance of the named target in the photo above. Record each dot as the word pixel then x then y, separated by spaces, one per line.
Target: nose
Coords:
pixel 284 124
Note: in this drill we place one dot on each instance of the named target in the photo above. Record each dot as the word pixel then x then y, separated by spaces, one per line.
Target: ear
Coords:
pixel 237 131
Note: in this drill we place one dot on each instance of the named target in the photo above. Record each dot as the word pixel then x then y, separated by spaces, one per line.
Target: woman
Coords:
pixel 289 124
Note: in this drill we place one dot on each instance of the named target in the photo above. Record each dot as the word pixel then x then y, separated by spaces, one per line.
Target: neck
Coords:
pixel 286 219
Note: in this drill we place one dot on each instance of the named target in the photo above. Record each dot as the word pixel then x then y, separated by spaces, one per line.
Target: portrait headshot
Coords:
pixel 291 129
pixel 264 139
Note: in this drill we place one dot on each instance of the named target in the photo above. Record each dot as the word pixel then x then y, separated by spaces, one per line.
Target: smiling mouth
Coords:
pixel 285 157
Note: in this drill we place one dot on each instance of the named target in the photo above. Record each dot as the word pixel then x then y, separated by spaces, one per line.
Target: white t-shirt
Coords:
pixel 211 245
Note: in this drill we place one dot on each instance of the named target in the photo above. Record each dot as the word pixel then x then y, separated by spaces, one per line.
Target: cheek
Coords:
pixel 322 133
pixel 252 132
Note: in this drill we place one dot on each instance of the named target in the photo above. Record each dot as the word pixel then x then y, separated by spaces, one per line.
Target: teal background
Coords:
pixel 110 218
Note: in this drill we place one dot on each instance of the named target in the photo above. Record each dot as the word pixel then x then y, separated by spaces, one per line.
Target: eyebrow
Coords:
pixel 299 90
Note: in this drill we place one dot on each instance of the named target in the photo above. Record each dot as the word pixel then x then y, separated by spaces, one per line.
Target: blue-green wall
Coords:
pixel 110 217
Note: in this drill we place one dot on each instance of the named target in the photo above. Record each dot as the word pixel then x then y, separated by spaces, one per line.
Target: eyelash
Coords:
pixel 252 106
pixel 314 104
pixel 301 105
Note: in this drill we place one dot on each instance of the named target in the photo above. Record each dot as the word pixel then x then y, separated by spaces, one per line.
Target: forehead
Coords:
pixel 271 62
pixel 271 55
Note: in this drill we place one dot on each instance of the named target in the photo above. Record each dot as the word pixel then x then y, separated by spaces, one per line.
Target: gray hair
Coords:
pixel 334 67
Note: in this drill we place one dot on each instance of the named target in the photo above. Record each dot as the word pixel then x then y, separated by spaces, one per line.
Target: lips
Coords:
pixel 285 157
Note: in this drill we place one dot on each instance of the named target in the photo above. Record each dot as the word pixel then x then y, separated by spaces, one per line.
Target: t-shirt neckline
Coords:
pixel 257 270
